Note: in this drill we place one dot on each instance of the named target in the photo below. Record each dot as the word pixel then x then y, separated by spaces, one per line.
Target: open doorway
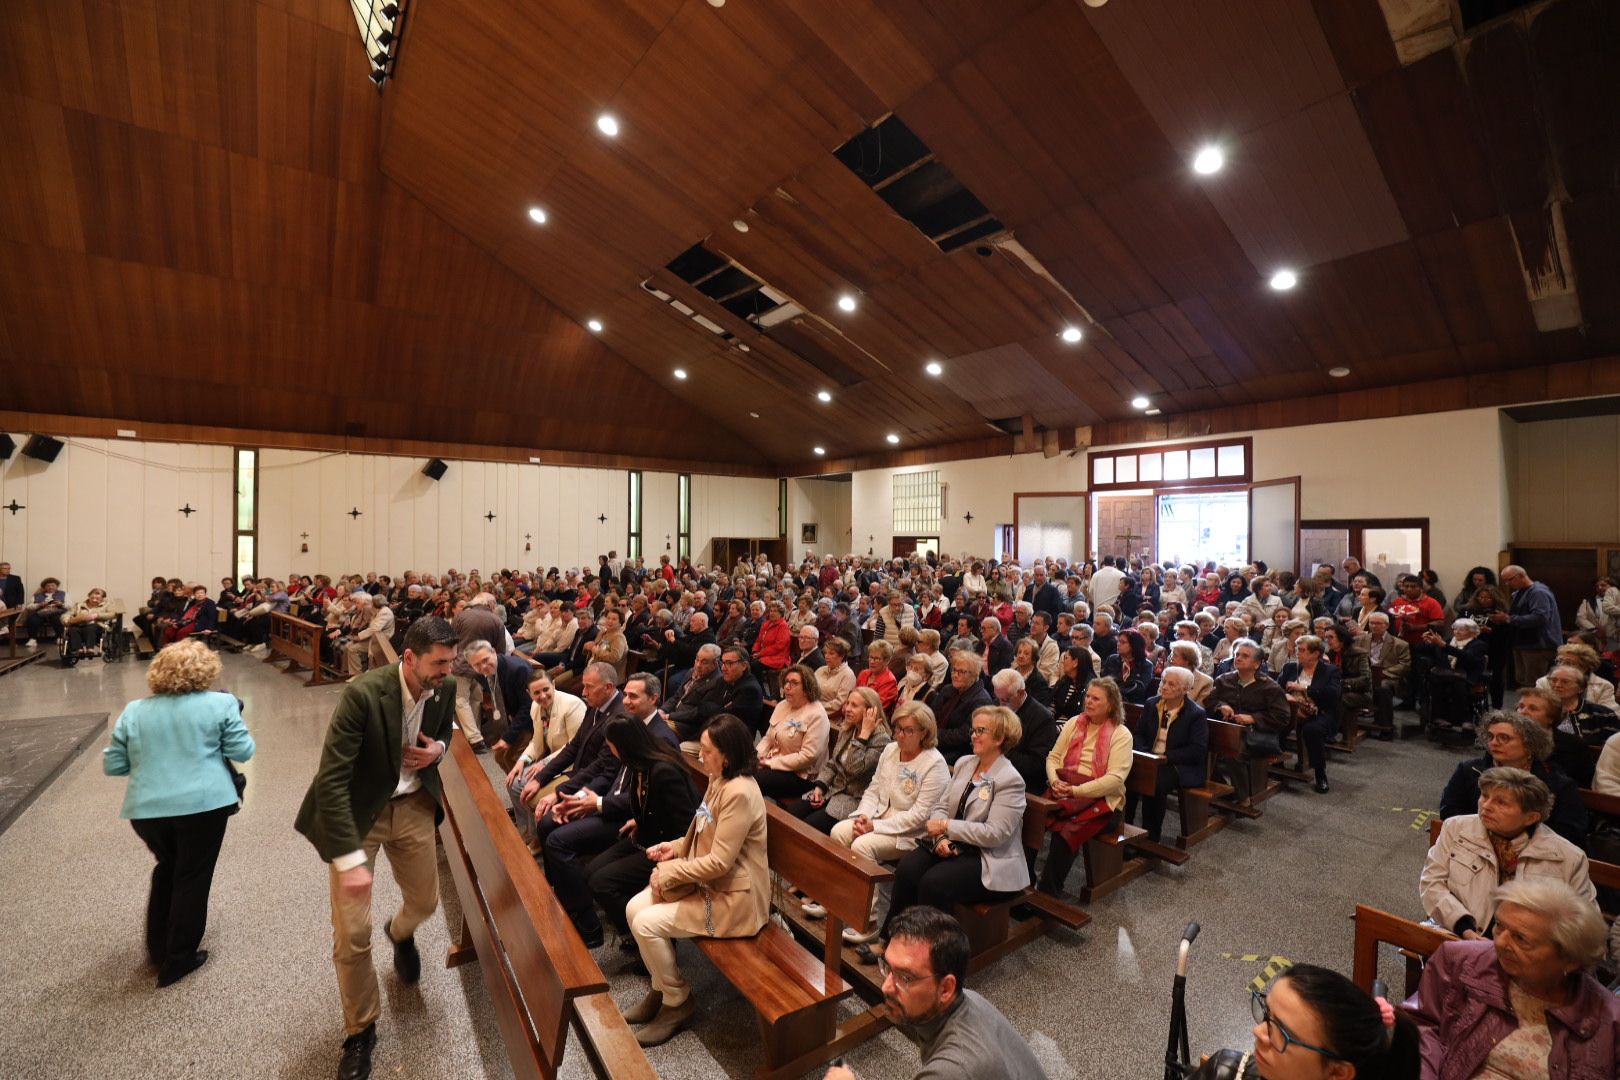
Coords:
pixel 1388 547
pixel 1204 527
pixel 921 547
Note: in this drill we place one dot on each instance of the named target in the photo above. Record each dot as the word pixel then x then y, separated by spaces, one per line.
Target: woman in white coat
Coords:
pixel 1504 842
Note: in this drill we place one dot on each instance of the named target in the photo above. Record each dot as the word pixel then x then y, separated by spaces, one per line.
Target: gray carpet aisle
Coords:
pixel 79 1003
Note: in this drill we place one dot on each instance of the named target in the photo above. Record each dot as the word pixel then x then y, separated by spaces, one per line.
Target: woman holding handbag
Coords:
pixel 1086 773
pixel 175 747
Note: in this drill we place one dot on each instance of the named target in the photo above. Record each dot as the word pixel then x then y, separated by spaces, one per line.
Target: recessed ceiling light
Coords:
pixel 893 438
pixel 741 347
pixel 1208 160
pixel 823 397
pixel 821 451
pixel 1284 279
pixel 740 225
pixel 680 373
pixel 1140 403
pixel 1072 334
pixel 607 124
pixel 594 325
pixel 846 303
pixel 1338 372
pixel 755 415
pixel 1153 412
pixel 717 3
pixel 537 215
pixel 934 368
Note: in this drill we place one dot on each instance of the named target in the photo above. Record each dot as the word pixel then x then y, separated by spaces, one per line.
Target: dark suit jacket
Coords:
pixel 599 775
pixel 1040 735
pixel 661 802
pixel 576 652
pixel 12 592
pixel 997 655
pixel 689 709
pixel 1134 689
pixel 1186 744
pixel 681 653
pixel 583 748
pixel 1048 599
pixel 1327 689
pixel 744 699
pixel 361 758
pixel 203 617
pixel 512 677
pixel 953 712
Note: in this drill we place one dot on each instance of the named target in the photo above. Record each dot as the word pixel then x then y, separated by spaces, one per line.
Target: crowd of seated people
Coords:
pixel 908 707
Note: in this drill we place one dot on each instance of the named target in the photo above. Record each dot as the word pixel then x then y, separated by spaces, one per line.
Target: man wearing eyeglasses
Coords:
pixel 963 1036
pixel 741 695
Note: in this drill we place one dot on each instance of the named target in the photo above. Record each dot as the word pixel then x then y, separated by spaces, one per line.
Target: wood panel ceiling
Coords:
pixel 210 213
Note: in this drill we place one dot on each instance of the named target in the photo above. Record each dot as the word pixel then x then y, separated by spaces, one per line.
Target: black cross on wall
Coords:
pixel 14 506
pixel 355 513
pixel 187 510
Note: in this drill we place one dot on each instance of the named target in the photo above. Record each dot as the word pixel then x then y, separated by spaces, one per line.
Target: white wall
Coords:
pixel 106 513
pixel 660 511
pixel 733 506
pixel 1447 467
pixel 827 504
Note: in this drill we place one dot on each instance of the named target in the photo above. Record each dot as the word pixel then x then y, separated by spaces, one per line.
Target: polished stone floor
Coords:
pixel 1094 1004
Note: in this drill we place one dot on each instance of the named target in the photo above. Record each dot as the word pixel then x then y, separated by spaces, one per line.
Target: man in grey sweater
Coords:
pixel 962 1036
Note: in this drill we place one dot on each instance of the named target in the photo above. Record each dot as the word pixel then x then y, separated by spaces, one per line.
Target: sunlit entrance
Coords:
pixel 1204 527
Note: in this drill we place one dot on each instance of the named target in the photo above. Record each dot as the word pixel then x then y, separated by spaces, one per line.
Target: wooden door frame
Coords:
pixel 1357 528
pixel 1085 521
pixel 1299 523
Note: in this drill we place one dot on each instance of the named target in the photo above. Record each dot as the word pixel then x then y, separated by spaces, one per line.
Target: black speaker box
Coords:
pixel 8 446
pixel 42 448
pixel 435 469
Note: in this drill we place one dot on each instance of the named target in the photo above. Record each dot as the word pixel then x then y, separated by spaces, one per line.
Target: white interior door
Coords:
pixel 1274 523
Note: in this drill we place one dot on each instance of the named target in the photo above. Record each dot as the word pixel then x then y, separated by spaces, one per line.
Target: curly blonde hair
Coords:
pixel 182 668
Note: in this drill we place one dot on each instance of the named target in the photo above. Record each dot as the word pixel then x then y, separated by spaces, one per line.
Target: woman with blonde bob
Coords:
pixel 173 747
pixel 1086 772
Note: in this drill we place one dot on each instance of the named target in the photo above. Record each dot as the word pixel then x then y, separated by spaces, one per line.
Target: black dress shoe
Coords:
pixel 593 939
pixel 407 961
pixel 1321 787
pixel 480 748
pixel 356 1061
pixel 168 975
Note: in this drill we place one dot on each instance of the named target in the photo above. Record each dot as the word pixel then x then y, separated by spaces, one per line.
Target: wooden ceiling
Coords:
pixel 213 216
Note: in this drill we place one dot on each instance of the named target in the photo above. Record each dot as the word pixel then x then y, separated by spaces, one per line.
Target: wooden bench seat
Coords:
pixel 1107 868
pixel 298 644
pixel 1415 941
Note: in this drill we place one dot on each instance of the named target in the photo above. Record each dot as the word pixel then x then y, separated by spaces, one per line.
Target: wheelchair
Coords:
pixel 110 643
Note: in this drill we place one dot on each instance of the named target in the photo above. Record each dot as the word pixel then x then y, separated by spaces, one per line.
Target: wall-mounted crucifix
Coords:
pixel 490 516
pixel 304 547
pixel 355 513
pixel 14 506
pixel 186 510
pixel 968 517
pixel 1128 536
pixel 526 538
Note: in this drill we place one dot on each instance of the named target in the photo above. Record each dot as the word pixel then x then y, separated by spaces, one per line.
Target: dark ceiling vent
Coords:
pixel 896 164
pixel 726 283
pixel 803 338
pixel 1012 425
pixel 1477 12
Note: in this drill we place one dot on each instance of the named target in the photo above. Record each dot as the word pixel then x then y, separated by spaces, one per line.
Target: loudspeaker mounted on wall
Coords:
pixel 42 448
pixel 8 446
pixel 435 469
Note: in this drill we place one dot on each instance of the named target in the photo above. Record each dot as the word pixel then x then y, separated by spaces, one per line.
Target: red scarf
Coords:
pixel 1079 818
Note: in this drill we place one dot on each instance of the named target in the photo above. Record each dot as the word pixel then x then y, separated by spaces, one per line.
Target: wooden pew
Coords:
pixel 299 644
pixel 12 661
pixel 540 976
pixel 1107 869
pixel 1194 805
pixel 991 929
pixel 1415 941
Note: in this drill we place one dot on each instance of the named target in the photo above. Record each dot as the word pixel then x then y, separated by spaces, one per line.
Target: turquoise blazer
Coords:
pixel 173 749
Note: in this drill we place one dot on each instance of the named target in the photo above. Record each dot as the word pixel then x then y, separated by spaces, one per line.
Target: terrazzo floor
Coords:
pixel 1093 1004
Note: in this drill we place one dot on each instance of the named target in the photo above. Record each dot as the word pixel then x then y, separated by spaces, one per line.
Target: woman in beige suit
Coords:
pixel 713 882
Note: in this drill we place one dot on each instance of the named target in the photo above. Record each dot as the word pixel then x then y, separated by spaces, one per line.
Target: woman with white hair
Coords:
pixel 1457 675
pixel 1524 1003
pixel 1505 841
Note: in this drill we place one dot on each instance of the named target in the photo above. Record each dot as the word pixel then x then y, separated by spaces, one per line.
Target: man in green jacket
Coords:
pixel 378 787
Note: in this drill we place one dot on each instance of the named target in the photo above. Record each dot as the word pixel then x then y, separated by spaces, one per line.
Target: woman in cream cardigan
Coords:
pixel 713 882
pixel 556 717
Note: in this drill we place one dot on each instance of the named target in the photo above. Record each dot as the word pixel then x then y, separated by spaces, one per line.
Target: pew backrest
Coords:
pixel 1375 927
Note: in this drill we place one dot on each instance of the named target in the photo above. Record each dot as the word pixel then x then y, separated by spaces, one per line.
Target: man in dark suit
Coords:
pixel 997 650
pixel 1042 595
pixel 953 704
pixel 11 588
pixel 1039 727
pixel 378 787
pixel 1173 726
pixel 688 707
pixel 678 651
pixel 740 694
pixel 581 831
pixel 503 681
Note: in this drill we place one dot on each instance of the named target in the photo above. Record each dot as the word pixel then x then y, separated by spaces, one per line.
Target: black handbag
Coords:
pixel 238 780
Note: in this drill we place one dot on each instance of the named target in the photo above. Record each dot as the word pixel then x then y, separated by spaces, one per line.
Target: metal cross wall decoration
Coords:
pixel 14 506
pixel 490 516
pixel 1128 536
pixel 601 519
pixel 186 510
pixel 968 517
pixel 355 513
pixel 303 536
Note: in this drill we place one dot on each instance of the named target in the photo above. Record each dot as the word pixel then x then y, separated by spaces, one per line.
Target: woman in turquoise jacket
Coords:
pixel 173 747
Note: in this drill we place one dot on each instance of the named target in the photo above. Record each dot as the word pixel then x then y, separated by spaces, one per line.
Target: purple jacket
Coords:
pixel 1462 1010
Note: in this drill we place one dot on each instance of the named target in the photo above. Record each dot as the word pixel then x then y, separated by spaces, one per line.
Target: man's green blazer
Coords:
pixel 360 762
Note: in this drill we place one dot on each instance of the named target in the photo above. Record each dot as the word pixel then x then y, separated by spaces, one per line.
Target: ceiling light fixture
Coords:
pixel 846 303
pixel 1338 372
pixel 1153 412
pixel 823 397
pixel 594 325
pixel 934 368
pixel 743 348
pixel 821 451
pixel 680 373
pixel 1208 160
pixel 1284 279
pixel 755 415
pixel 608 125
pixel 1072 335
pixel 1140 402
pixel 893 438
pixel 739 224
pixel 537 215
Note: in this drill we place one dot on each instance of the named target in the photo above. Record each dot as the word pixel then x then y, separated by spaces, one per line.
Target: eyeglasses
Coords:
pixel 903 980
pixel 732 663
pixel 981 731
pixel 1277 1032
